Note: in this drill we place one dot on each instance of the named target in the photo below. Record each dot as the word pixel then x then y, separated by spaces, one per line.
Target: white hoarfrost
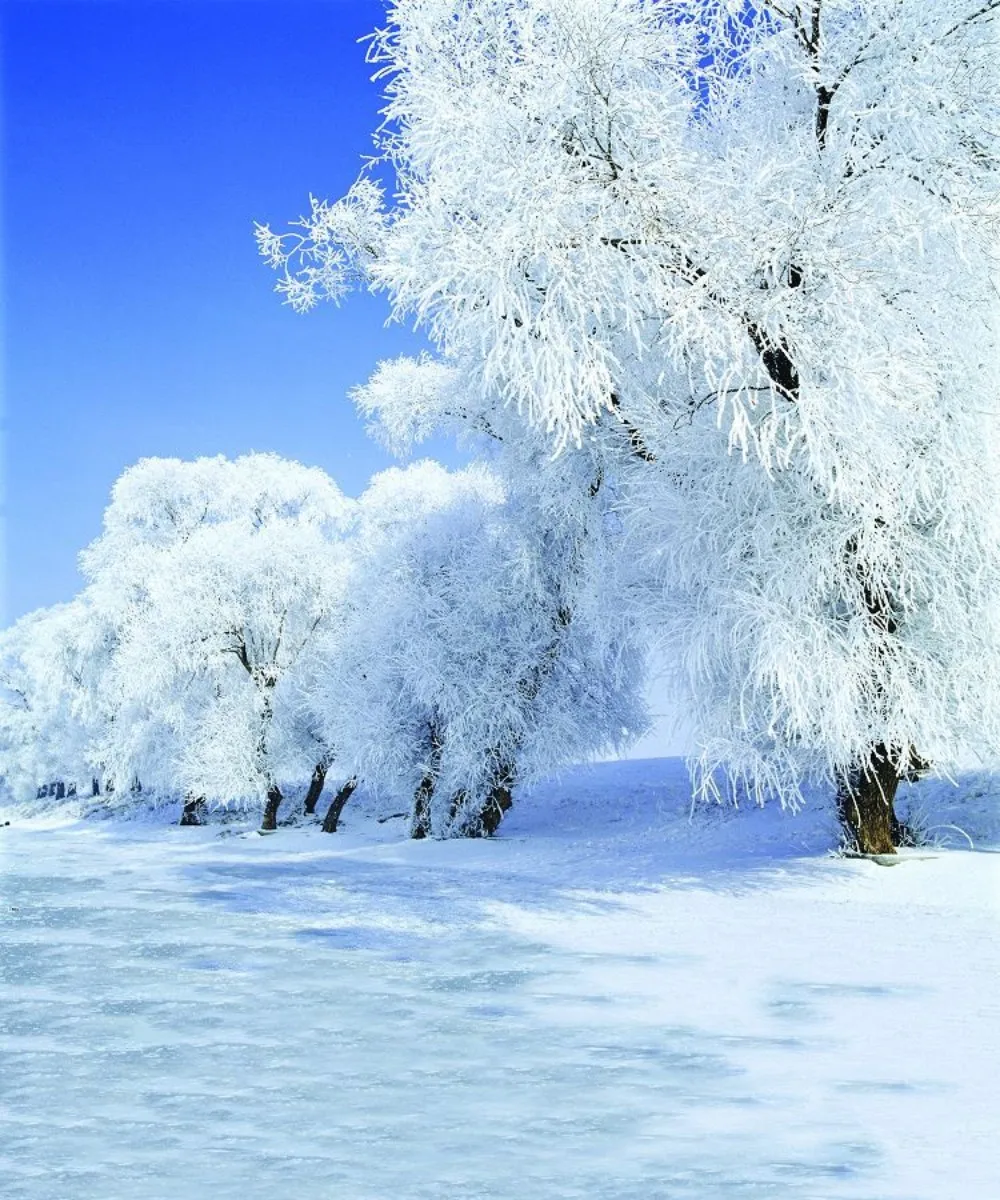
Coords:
pixel 246 628
pixel 755 249
pixel 469 663
pixel 219 577
pixel 49 661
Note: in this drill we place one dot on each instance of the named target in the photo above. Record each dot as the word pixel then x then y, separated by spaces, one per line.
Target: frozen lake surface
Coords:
pixel 609 1000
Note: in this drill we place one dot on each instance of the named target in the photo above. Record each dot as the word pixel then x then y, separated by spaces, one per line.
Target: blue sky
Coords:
pixel 142 138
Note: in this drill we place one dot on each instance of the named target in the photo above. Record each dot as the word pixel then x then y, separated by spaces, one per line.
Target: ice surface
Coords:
pixel 610 1000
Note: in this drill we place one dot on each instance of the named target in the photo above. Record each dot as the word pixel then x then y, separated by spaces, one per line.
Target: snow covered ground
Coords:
pixel 610 1000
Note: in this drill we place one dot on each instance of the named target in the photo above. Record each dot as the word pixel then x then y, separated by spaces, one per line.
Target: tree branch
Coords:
pixel 636 440
pixel 987 10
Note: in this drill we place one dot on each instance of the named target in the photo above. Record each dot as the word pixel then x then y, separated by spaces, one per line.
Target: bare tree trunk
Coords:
pixel 332 818
pixel 420 822
pixel 270 820
pixel 315 788
pixel 193 809
pixel 865 805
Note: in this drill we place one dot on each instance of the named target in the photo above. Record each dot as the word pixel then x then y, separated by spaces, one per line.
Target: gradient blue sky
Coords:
pixel 142 138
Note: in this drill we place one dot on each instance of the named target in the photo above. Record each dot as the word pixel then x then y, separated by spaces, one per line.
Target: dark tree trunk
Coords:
pixel 420 822
pixel 332 818
pixel 494 807
pixel 95 786
pixel 192 812
pixel 270 821
pixel 498 802
pixel 865 805
pixel 315 789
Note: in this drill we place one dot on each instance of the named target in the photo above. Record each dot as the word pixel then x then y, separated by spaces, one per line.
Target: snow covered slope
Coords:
pixel 610 1000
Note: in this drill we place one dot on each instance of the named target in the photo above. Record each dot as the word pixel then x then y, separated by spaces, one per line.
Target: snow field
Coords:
pixel 609 1000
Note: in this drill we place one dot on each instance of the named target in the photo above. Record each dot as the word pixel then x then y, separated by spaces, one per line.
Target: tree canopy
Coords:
pixel 753 246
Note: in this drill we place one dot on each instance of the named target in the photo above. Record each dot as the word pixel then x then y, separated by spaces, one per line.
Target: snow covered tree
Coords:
pixel 467 670
pixel 245 625
pixel 614 216
pixel 220 575
pixel 558 515
pixel 48 727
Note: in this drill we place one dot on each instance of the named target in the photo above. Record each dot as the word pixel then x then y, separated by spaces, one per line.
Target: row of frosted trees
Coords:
pixel 247 628
pixel 712 288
